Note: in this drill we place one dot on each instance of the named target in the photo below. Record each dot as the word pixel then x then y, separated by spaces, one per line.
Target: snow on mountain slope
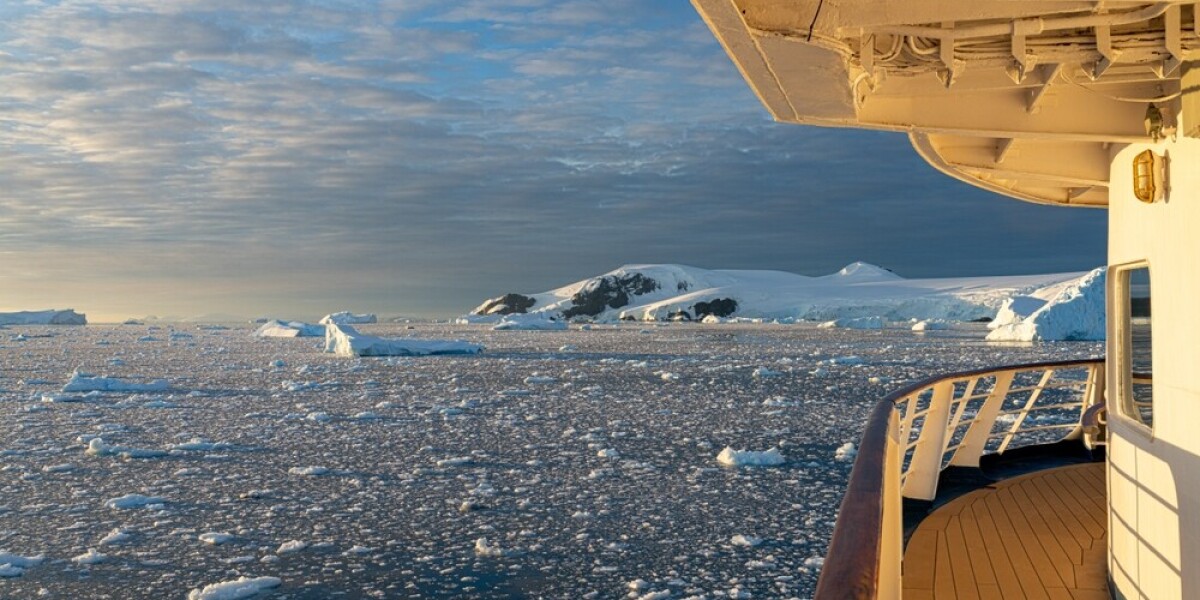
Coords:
pixel 663 292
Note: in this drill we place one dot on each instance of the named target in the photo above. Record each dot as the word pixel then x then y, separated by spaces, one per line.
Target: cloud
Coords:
pixel 411 157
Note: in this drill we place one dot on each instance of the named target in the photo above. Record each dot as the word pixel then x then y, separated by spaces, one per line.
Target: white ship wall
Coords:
pixel 1154 475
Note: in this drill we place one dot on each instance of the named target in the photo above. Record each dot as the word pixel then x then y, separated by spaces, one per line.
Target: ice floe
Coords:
pixel 133 501
pixel 343 340
pixel 85 382
pixel 237 589
pixel 750 458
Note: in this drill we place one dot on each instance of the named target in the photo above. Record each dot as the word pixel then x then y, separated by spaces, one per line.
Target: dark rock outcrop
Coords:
pixel 680 315
pixel 718 307
pixel 608 292
pixel 506 305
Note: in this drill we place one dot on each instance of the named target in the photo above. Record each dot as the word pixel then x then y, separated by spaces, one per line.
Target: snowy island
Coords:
pixel 1058 306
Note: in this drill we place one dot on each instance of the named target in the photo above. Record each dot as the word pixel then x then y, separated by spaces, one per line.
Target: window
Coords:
pixel 1133 336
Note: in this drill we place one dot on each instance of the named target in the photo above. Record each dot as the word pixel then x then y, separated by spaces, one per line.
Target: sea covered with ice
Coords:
pixel 162 462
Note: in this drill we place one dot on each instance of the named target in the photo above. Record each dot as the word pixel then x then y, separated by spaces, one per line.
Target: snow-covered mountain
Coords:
pixel 665 292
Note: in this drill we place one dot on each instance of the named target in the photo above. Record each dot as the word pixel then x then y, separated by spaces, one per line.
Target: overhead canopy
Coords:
pixel 1022 98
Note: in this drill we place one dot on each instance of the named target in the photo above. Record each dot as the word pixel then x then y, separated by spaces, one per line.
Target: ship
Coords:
pixel 1070 479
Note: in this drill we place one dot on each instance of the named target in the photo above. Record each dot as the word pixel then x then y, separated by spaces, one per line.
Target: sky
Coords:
pixel 414 157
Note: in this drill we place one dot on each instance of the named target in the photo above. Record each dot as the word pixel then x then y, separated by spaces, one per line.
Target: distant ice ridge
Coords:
pixel 348 318
pixel 678 292
pixel 43 317
pixel 274 328
pixel 1073 310
pixel 343 340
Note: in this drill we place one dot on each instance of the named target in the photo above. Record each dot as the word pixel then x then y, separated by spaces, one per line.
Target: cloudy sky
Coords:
pixel 413 157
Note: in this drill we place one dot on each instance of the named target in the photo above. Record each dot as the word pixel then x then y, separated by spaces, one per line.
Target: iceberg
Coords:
pixel 43 317
pixel 529 322
pixel 348 318
pixel 1074 312
pixel 274 328
pixel 343 340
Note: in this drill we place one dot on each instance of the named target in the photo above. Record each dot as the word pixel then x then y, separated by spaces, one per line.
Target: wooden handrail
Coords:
pixel 854 562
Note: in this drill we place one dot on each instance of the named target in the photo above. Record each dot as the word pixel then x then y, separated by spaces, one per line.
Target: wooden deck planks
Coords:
pixel 1039 536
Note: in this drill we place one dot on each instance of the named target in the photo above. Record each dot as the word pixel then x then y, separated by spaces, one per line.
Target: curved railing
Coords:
pixel 948 420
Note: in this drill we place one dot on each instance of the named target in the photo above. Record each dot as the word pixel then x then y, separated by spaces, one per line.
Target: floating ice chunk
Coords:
pixel 91 557
pixel 201 445
pixel 814 562
pixel 309 471
pixel 97 447
pixel 529 322
pixel 854 323
pixel 215 538
pixel 61 398
pixel 83 382
pixel 348 318
pixel 568 348
pixel 20 562
pixel 764 372
pixel 366 415
pixel 539 379
pixel 115 536
pixel 7 570
pixel 132 501
pixel 745 540
pixel 318 417
pixel 291 546
pixel 750 458
pixel 454 462
pixel 238 589
pixel 63 468
pixel 847 361
pixel 484 548
pixel 609 453
pixel 931 325
pixel 669 376
pixel 846 451
pixel 343 340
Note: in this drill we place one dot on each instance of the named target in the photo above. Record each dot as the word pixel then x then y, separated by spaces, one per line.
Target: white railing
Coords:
pixel 913 434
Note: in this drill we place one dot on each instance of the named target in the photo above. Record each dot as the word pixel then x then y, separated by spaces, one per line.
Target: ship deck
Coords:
pixel 1041 535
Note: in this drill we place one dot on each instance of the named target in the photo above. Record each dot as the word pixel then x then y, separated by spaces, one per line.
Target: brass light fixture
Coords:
pixel 1149 171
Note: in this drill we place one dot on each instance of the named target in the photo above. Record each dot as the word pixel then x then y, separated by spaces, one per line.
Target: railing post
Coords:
pixel 922 477
pixel 973 442
pixel 891 552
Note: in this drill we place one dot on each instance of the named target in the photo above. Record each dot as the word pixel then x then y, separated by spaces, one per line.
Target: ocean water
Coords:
pixel 575 464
